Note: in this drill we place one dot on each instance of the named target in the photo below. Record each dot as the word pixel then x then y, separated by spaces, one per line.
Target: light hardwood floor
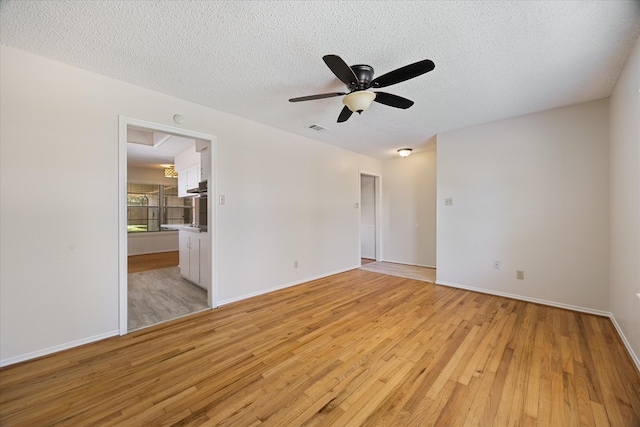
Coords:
pixel 146 262
pixel 357 348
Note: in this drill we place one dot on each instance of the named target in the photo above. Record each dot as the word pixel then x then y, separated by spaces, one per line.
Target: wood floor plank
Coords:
pixel 357 348
pixel 153 261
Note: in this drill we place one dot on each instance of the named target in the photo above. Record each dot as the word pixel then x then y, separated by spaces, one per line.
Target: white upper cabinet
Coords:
pixel 187 164
pixel 187 179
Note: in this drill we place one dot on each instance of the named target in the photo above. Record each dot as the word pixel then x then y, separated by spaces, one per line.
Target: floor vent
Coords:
pixel 317 128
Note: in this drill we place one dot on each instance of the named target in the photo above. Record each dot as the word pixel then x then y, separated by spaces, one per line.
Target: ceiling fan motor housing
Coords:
pixel 364 73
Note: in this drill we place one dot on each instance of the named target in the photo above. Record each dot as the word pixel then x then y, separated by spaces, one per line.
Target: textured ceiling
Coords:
pixel 494 59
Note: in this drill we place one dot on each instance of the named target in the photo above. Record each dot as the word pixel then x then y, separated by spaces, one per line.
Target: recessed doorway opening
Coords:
pixel 166 238
pixel 369 218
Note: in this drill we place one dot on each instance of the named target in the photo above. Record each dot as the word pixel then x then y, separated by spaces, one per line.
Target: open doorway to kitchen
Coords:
pixel 369 218
pixel 166 233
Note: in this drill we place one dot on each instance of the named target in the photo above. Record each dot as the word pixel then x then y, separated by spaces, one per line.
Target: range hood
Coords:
pixel 200 190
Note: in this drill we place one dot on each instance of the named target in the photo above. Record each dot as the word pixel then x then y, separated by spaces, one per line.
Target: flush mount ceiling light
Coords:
pixel 170 172
pixel 404 152
pixel 359 101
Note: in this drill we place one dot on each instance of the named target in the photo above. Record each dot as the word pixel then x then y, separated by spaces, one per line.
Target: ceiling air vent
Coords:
pixel 317 128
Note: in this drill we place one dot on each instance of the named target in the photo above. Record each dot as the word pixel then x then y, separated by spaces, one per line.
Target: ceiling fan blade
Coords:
pixel 404 73
pixel 319 96
pixel 344 114
pixel 393 100
pixel 341 69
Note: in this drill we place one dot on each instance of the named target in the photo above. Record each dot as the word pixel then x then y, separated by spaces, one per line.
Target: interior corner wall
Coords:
pixel 288 198
pixel 625 202
pixel 533 193
pixel 409 209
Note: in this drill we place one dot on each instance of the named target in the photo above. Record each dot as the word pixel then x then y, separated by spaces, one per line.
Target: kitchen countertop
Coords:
pixel 185 227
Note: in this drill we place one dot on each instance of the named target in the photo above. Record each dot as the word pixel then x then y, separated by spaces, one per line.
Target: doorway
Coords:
pixel 166 238
pixel 369 218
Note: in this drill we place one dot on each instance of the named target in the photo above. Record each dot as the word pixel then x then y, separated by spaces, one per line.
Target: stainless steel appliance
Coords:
pixel 203 213
pixel 200 210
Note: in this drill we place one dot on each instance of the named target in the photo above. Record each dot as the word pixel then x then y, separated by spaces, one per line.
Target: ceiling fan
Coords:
pixel 359 78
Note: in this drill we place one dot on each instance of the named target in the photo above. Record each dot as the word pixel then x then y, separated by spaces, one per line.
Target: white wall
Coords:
pixel 625 202
pixel 150 243
pixel 533 193
pixel 409 209
pixel 59 202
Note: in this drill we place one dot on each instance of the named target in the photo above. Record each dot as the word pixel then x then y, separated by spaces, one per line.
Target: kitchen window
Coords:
pixel 151 205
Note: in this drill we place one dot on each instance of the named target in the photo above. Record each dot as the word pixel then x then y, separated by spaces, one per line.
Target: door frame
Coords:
pixel 123 124
pixel 377 178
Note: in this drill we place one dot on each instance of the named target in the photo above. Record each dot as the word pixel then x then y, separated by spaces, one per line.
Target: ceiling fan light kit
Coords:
pixel 359 78
pixel 359 101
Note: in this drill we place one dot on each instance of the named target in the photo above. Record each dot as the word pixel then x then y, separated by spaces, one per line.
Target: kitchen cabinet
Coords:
pixel 189 243
pixel 187 179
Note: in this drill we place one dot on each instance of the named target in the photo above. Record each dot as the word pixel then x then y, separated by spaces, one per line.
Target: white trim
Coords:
pixel 56 348
pixel 528 299
pixel 425 266
pixel 286 285
pixel 378 185
pixel 123 238
pixel 633 355
pixel 212 208
pixel 124 123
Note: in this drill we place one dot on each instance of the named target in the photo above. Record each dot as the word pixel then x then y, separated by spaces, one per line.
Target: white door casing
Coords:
pixel 208 276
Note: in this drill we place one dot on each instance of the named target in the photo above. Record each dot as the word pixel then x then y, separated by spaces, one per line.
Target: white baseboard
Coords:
pixel 633 355
pixel 56 348
pixel 528 299
pixel 427 266
pixel 627 345
pixel 66 346
pixel 286 285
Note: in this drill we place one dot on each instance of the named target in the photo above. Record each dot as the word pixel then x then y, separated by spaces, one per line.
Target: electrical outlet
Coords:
pixel 496 265
pixel 519 274
pixel 295 264
pixel 448 201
